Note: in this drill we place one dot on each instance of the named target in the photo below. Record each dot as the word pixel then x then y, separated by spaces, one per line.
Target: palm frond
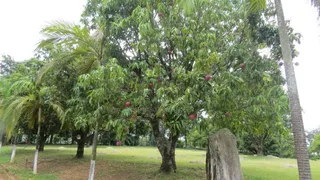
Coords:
pixel 47 67
pixel 257 5
pixel 90 63
pixel 22 86
pixel 61 32
pixel 14 108
pixel 32 115
pixel 60 61
pixel 76 39
pixel 58 109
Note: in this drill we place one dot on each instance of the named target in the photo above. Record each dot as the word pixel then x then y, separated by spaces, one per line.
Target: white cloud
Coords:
pixel 21 22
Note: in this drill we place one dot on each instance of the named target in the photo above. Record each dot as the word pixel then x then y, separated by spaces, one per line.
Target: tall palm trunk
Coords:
pixel 13 154
pixel 35 161
pixel 301 149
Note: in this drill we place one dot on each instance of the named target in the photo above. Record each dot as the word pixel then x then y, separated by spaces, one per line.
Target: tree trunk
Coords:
pixel 51 138
pixel 13 154
pixel 168 156
pixel 81 142
pixel 35 161
pixel 259 145
pixel 259 150
pixel 222 161
pixel 166 149
pixel 94 153
pixel 0 139
pixel 301 149
pixel 186 139
pixel 43 139
pixel 80 149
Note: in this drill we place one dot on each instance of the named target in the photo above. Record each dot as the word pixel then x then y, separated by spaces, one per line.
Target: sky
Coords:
pixel 21 22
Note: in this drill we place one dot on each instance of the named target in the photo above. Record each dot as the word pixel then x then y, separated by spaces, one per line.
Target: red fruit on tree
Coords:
pixel 150 85
pixel 208 77
pixel 243 65
pixel 128 104
pixel 132 116
pixel 171 3
pixel 160 14
pixel 118 143
pixel 227 114
pixel 192 116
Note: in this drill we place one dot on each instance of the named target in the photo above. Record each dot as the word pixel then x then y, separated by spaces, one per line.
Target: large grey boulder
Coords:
pixel 223 161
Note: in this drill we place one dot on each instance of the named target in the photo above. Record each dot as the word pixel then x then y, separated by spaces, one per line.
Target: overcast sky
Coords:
pixel 21 21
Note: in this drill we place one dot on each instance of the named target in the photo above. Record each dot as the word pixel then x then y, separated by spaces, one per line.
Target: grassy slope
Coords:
pixel 57 162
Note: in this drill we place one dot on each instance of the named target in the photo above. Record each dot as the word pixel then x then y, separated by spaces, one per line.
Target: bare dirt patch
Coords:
pixel 6 174
pixel 103 171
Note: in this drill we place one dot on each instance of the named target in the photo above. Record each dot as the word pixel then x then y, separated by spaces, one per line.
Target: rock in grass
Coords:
pixel 222 157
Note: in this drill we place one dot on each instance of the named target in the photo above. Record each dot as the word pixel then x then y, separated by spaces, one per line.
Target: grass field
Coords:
pixel 134 163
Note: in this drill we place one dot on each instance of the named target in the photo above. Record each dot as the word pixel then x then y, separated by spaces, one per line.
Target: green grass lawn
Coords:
pixel 57 162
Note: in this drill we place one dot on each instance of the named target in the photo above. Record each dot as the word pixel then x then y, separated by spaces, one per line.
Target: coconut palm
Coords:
pixel 26 101
pixel 301 149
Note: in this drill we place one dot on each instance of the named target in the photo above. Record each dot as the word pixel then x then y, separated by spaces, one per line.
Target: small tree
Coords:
pixel 27 98
pixel 84 50
pixel 102 88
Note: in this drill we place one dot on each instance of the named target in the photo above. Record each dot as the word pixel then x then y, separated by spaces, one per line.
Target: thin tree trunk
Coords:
pixel 0 139
pixel 186 139
pixel 94 152
pixel 43 139
pixel 301 149
pixel 51 139
pixel 13 154
pixel 35 161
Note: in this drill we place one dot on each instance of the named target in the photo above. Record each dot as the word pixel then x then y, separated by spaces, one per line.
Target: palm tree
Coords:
pixel 82 44
pixel 301 149
pixel 26 101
